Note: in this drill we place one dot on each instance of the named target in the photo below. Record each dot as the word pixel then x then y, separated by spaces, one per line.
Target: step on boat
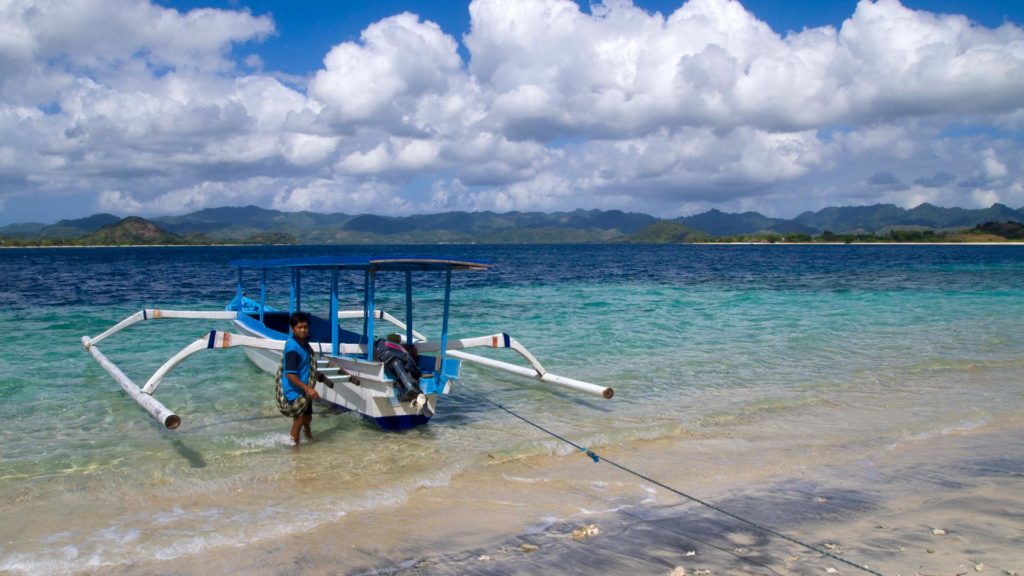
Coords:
pixel 366 372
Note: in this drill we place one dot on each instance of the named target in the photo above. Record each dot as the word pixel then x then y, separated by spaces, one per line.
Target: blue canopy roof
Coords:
pixel 366 263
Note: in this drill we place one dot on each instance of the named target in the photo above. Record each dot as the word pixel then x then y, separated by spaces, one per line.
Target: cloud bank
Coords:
pixel 129 107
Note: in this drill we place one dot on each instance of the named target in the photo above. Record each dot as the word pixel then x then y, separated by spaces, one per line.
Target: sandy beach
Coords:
pixel 945 504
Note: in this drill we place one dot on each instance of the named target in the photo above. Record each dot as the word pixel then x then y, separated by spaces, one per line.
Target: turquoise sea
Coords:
pixel 731 363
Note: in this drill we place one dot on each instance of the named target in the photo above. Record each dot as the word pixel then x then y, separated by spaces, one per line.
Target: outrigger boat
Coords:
pixel 358 379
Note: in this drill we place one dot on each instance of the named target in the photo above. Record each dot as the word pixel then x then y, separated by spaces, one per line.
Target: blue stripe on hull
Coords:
pixel 392 423
pixel 395 423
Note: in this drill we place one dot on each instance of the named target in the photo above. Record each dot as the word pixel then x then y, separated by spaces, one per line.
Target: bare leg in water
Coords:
pixel 297 423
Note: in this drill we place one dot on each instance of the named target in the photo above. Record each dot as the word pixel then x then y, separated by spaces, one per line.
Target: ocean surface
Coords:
pixel 730 363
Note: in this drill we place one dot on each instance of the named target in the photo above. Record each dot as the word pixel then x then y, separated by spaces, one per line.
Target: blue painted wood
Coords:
pixel 396 423
pixel 408 306
pixel 263 292
pixel 444 322
pixel 334 312
pixel 372 278
pixel 364 263
pixel 366 315
pixel 292 295
pixel 238 294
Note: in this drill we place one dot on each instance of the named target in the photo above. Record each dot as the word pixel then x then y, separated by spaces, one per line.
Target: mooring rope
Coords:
pixel 597 458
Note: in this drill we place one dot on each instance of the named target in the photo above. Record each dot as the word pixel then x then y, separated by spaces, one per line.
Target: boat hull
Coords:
pixel 370 393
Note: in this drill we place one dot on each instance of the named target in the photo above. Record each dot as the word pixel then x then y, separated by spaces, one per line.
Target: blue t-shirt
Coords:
pixel 296 361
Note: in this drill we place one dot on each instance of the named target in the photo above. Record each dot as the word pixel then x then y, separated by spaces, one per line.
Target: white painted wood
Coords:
pixel 156 314
pixel 162 414
pixel 578 385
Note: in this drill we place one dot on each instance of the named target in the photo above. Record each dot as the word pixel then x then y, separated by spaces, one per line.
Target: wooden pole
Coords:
pixel 150 404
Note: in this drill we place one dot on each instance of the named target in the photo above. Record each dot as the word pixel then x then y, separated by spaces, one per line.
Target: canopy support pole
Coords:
pixel 408 307
pixel 334 311
pixel 291 292
pixel 439 368
pixel 371 276
pixel 366 291
pixel 241 305
pixel 263 293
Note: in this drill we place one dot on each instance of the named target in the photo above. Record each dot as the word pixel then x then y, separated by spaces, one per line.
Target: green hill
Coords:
pixel 251 224
pixel 881 217
pixel 1008 230
pixel 668 232
pixel 843 219
pixel 131 230
pixel 718 223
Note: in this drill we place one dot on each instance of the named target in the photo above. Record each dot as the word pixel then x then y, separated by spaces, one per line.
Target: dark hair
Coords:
pixel 298 316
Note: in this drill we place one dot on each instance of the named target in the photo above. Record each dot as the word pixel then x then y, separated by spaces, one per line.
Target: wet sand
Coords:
pixel 952 504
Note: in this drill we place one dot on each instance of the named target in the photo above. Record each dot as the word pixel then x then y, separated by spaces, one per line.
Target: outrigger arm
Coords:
pixel 162 414
pixel 503 340
pixel 216 339
pixel 500 340
pixel 156 314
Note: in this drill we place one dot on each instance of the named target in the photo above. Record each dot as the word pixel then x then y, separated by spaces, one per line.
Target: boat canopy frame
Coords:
pixel 370 267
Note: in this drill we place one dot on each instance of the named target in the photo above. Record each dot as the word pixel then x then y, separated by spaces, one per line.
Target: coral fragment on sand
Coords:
pixel 528 548
pixel 585 532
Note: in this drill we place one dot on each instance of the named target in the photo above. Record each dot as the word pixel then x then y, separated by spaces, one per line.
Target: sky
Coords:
pixel 398 107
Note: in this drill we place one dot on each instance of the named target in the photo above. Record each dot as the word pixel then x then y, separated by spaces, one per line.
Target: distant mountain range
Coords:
pixel 260 225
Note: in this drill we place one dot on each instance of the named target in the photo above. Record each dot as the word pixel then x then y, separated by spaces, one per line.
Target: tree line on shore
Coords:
pixel 253 225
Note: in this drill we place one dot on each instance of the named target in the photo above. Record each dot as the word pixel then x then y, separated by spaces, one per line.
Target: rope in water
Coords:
pixel 597 458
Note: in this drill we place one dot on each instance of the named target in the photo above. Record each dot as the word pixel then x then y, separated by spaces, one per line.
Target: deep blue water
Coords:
pixel 32 278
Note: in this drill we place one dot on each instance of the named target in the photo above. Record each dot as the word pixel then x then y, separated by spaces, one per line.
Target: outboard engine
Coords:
pixel 399 365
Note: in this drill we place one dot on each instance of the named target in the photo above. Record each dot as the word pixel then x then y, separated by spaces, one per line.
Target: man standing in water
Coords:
pixel 296 385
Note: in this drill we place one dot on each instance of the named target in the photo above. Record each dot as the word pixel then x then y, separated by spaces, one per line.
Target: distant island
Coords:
pixel 254 225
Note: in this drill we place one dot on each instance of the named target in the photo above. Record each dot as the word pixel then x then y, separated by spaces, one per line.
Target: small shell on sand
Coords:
pixel 528 548
pixel 979 566
pixel 678 571
pixel 938 532
pixel 585 532
pixel 831 570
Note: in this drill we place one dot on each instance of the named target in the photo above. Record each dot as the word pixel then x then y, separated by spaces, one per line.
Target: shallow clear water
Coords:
pixel 732 349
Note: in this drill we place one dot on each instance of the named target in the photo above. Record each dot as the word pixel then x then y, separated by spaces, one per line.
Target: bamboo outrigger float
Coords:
pixel 358 379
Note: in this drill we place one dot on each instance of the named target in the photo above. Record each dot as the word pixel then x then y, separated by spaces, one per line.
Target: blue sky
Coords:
pixel 307 29
pixel 147 108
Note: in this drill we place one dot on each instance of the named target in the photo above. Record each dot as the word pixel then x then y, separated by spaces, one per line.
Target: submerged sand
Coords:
pixel 951 503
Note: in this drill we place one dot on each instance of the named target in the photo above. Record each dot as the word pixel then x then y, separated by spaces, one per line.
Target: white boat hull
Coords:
pixel 360 386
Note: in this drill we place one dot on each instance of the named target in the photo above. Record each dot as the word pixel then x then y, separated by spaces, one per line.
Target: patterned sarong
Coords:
pixel 298 406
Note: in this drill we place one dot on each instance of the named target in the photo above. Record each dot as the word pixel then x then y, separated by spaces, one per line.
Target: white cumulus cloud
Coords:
pixel 128 106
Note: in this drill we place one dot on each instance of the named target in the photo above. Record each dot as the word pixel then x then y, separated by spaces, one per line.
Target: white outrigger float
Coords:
pixel 358 380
